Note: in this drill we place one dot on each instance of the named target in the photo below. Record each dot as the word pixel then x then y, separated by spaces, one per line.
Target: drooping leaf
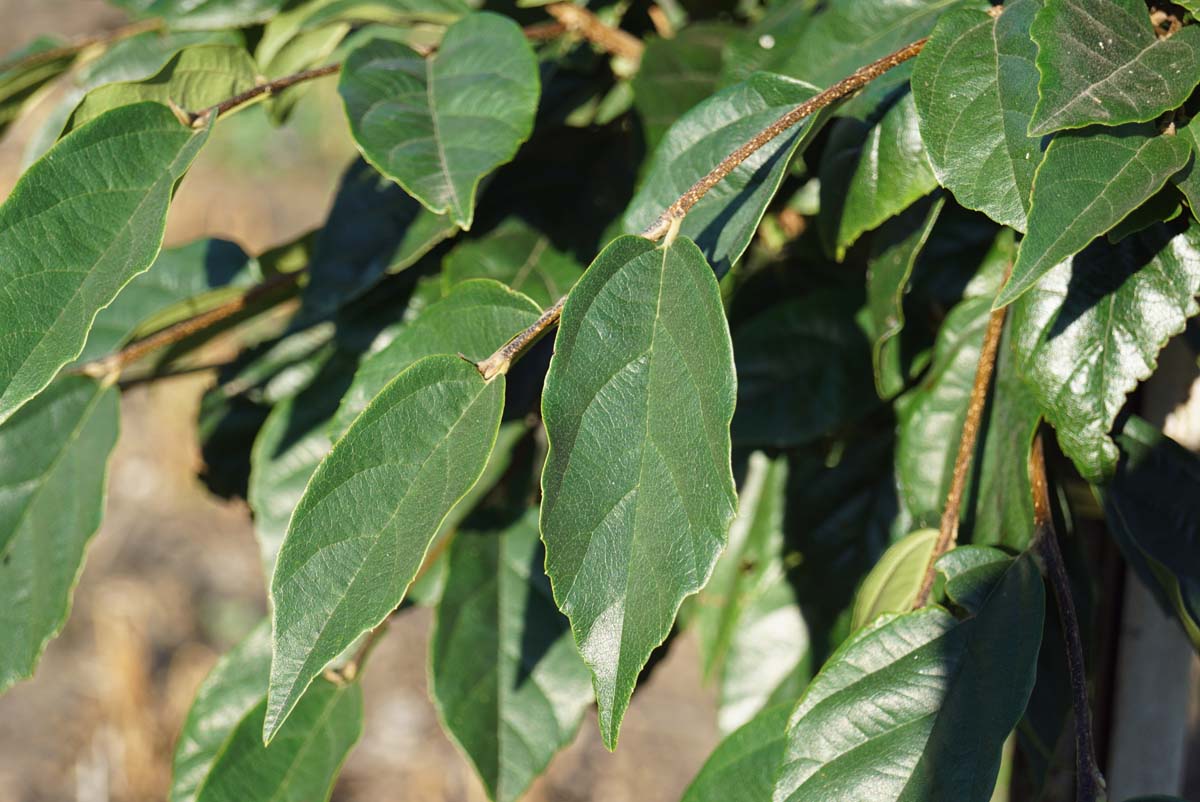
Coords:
pixel 344 565
pixel 637 490
pixel 724 220
pixel 204 14
pixel 871 172
pixel 374 228
pixel 386 12
pixel 474 319
pixel 220 755
pixel 117 173
pixel 975 85
pixel 894 582
pixel 846 34
pixel 751 631
pixel 438 125
pixel 53 473
pixel 1087 183
pixel 765 45
pixel 1101 62
pixel 517 255
pixel 1155 517
pixel 23 73
pixel 676 74
pixel 1092 328
pixel 194 79
pixel 742 767
pixel 509 685
pixel 182 282
pixel 822 380
pixel 885 717
pixel 894 251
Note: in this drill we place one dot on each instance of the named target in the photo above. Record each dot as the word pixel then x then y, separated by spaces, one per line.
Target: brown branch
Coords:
pixel 948 531
pixel 499 362
pixel 1089 782
pixel 198 118
pixel 72 48
pixel 579 20
pixel 843 88
pixel 112 365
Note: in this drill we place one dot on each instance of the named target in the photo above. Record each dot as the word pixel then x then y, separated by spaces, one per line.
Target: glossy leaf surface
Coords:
pixel 637 491
pixel 1101 62
pixel 517 255
pixel 894 582
pixel 742 767
pixel 886 715
pixel 975 86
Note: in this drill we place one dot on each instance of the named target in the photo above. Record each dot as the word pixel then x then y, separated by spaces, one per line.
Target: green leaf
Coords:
pixel 53 473
pixel 930 417
pixel 182 282
pixel 517 255
pixel 344 565
pixel 386 12
pixel 1101 62
pixel 723 222
pixel 975 85
pixel 509 685
pixel 1087 183
pixel 204 14
pixel 844 36
pixel 117 173
pixel 474 319
pixel 970 573
pixel 194 79
pixel 870 172
pixel 894 251
pixel 894 582
pixel 821 381
pixel 885 718
pixel 438 125
pixel 132 59
pixel 1092 328
pixel 374 228
pixel 1153 513
pixel 220 756
pixel 742 767
pixel 676 74
pixel 637 490
pixel 752 634
pixel 23 73
pixel 1188 179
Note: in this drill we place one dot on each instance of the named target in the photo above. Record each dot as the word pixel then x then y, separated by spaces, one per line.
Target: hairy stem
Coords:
pixel 577 19
pixel 500 361
pixel 55 53
pixel 1089 782
pixel 114 363
pixel 948 531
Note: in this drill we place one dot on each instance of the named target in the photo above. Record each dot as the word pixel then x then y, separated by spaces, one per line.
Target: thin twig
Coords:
pixel 197 118
pixel 499 362
pixel 843 88
pixel 72 48
pixel 578 19
pixel 1089 782
pixel 111 365
pixel 948 532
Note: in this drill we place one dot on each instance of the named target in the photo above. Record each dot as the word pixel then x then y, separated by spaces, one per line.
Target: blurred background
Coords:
pixel 173 580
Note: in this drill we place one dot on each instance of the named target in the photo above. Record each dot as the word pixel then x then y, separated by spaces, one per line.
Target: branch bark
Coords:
pixel 1089 782
pixel 948 531
pixel 500 361
pixel 577 19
